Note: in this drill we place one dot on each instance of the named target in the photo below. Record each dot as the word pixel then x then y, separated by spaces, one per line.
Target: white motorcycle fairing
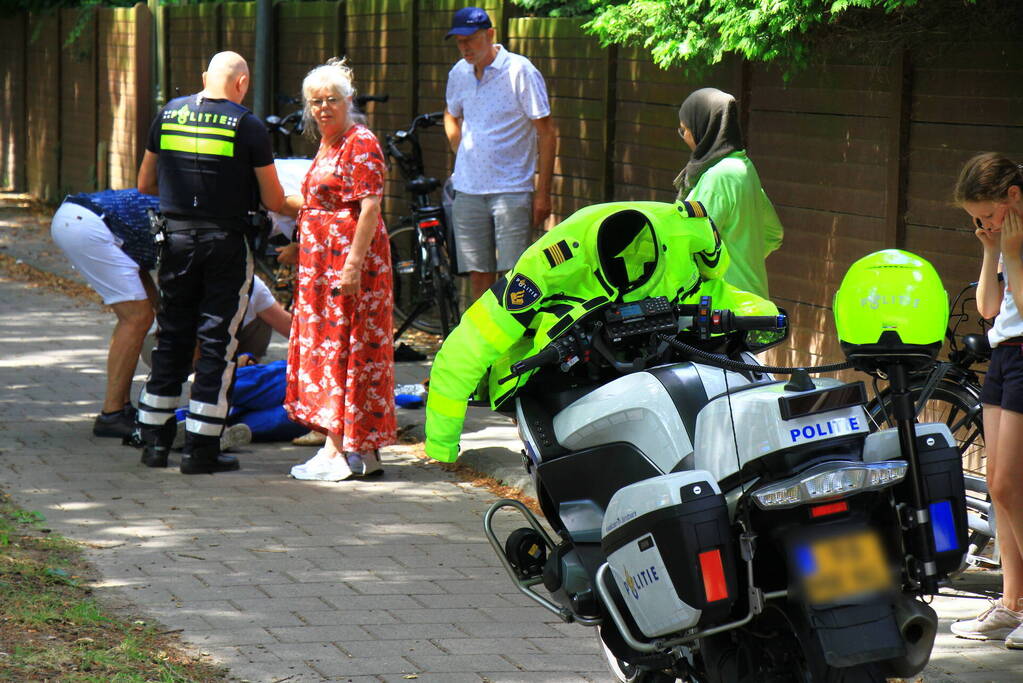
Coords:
pixel 654 410
pixel 737 428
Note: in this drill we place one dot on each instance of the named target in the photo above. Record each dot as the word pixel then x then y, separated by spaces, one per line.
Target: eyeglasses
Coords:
pixel 330 101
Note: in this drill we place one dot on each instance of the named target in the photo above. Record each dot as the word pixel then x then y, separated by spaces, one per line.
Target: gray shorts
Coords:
pixel 491 230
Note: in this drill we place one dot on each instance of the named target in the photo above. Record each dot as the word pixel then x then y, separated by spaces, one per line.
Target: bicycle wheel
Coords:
pixel 413 283
pixel 445 291
pixel 958 408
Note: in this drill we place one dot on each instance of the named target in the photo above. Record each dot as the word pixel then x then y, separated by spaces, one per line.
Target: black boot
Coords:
pixel 206 458
pixel 155 456
pixel 157 443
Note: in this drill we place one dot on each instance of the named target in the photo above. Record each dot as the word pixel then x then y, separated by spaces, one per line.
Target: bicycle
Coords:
pixel 949 392
pixel 425 290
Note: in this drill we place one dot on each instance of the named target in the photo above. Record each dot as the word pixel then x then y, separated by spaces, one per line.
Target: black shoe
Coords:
pixel 155 456
pixel 191 464
pixel 117 425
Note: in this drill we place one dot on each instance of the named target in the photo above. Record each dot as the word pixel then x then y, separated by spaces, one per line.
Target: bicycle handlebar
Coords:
pixel 360 100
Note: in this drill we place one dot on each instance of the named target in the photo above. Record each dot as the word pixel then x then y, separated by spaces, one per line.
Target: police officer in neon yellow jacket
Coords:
pixel 622 251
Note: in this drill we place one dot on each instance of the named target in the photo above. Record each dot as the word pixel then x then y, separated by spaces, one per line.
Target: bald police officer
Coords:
pixel 210 161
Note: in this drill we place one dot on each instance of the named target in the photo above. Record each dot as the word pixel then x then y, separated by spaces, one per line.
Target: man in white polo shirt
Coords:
pixel 498 121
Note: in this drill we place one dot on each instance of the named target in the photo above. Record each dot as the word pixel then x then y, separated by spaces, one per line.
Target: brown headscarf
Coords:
pixel 712 117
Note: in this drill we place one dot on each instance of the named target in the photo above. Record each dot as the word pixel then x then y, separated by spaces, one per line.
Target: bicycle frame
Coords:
pixel 432 263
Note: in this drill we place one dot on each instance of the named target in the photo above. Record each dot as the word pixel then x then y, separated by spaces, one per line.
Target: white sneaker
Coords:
pixel 994 623
pixel 315 463
pixel 364 464
pixel 1014 641
pixel 322 467
pixel 234 436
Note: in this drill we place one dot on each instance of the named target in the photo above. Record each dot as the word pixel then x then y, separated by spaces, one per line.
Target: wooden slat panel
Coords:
pixel 306 35
pixel 12 103
pixel 42 119
pixel 377 42
pixel 78 105
pixel 116 96
pixel 192 39
pixel 575 70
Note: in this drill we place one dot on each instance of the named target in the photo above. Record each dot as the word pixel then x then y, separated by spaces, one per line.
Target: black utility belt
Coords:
pixel 178 223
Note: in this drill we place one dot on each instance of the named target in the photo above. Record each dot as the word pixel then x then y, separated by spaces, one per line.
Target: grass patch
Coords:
pixel 53 628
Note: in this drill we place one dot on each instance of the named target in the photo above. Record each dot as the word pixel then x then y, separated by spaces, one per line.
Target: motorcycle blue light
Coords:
pixel 943 526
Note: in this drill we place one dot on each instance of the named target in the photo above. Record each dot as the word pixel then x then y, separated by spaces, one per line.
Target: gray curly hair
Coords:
pixel 336 76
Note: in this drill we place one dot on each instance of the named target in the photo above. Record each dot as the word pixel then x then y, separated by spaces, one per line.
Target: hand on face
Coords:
pixel 988 238
pixel 1012 232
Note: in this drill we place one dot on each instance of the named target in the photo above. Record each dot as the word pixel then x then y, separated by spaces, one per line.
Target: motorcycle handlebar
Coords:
pixel 705 323
pixel 759 322
pixel 550 355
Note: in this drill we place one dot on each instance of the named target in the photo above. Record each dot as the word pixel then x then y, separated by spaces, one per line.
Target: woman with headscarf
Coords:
pixel 724 180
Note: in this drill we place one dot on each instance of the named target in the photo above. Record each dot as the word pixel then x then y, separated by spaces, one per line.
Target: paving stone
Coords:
pixel 318 634
pixel 334 617
pixel 364 666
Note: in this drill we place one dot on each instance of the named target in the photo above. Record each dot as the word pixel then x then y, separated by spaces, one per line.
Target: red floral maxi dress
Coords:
pixel 340 355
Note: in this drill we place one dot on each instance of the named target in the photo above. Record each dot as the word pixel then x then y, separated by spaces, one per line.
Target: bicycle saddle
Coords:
pixel 978 345
pixel 422 185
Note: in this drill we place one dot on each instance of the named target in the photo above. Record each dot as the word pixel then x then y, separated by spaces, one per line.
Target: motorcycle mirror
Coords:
pixel 761 340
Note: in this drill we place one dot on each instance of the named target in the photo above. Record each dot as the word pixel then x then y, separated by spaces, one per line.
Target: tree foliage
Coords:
pixel 699 33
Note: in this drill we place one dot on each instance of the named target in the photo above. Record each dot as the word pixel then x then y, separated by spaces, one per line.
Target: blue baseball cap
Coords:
pixel 467 21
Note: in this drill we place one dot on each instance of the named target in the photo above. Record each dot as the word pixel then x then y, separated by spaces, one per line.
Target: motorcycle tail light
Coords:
pixel 829 509
pixel 943 526
pixel 715 586
pixel 429 223
pixel 830 480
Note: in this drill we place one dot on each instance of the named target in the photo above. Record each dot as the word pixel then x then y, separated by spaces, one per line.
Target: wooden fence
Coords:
pixel 856 156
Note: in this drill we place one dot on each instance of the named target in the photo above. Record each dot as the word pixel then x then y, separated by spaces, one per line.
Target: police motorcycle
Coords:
pixel 716 524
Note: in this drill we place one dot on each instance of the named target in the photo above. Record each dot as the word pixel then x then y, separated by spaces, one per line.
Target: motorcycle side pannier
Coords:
pixel 668 544
pixel 944 489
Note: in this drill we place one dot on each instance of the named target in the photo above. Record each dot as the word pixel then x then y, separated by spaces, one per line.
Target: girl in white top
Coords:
pixel 990 189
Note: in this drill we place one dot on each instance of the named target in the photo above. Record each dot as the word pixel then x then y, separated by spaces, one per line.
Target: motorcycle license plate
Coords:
pixel 842 566
pixel 405 267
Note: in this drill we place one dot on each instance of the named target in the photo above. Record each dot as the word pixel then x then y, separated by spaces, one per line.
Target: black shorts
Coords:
pixel 1003 385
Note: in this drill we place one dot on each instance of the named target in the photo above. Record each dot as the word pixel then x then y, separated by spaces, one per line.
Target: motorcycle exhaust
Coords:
pixel 918 624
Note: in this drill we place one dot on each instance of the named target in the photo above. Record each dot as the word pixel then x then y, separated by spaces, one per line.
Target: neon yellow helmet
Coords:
pixel 891 304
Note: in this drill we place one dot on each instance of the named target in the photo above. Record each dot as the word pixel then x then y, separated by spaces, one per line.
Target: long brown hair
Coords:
pixel 987 177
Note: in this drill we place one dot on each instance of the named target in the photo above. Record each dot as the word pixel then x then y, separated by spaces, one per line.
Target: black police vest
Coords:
pixel 204 169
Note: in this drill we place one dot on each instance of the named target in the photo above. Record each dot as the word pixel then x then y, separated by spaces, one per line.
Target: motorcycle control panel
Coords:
pixel 647 316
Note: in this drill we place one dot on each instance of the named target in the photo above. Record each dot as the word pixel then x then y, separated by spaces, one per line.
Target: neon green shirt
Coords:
pixel 749 226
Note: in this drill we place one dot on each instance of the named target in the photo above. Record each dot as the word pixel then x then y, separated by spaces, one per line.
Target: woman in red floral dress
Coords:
pixel 340 357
